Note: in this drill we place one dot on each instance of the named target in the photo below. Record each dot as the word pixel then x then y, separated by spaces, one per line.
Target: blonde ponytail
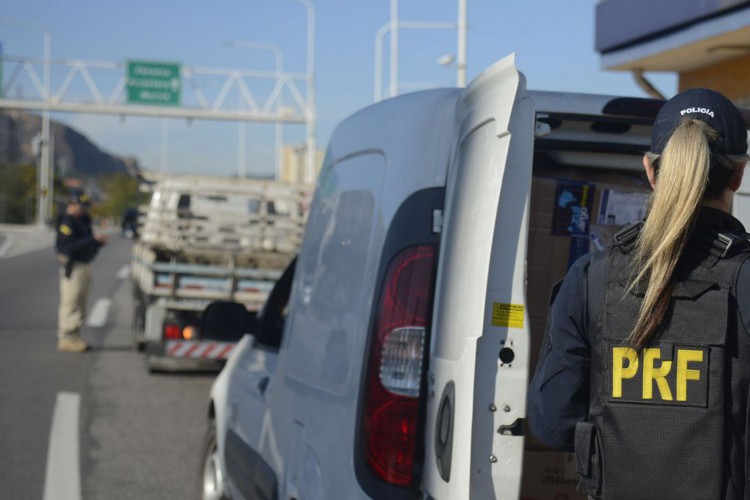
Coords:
pixel 683 175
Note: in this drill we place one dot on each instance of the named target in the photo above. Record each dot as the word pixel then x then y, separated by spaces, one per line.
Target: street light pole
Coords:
pixel 379 39
pixel 393 90
pixel 461 47
pixel 310 112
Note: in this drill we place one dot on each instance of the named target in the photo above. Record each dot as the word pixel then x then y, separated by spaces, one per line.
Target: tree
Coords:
pixel 18 193
pixel 120 192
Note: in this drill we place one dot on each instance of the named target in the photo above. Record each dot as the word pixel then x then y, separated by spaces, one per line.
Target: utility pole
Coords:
pixel 310 108
pixel 394 49
pixel 461 47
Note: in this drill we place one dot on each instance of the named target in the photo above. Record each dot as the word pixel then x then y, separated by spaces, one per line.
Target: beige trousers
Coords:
pixel 73 293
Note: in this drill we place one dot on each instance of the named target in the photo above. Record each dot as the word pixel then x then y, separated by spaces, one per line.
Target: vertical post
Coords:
pixel 461 50
pixel 379 36
pixel 394 49
pixel 279 132
pixel 44 167
pixel 164 143
pixel 311 110
pixel 310 113
pixel 241 163
pixel 279 71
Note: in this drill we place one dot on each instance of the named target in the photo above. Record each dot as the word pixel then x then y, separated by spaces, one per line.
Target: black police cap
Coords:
pixel 708 106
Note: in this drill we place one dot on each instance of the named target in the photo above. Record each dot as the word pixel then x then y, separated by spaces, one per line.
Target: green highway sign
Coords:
pixel 153 83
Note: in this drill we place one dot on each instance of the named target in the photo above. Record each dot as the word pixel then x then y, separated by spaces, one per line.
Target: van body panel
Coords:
pixel 368 173
pixel 480 294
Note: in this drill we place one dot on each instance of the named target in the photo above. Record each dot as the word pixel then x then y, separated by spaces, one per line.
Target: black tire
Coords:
pixel 138 323
pixel 212 485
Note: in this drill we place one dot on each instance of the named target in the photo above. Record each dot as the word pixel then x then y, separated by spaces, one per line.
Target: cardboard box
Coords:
pixel 549 475
pixel 574 212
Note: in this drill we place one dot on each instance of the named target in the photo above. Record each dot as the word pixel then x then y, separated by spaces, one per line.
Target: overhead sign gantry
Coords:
pixel 147 88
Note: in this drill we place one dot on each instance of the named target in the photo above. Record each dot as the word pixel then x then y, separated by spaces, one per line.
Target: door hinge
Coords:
pixel 437 221
pixel 541 129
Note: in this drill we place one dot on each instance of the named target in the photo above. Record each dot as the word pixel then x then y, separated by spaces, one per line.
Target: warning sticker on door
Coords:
pixel 507 315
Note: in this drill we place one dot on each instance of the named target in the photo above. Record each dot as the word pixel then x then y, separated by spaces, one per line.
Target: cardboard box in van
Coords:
pixel 574 212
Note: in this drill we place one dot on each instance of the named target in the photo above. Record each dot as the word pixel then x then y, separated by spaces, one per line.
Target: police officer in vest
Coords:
pixel 76 247
pixel 644 371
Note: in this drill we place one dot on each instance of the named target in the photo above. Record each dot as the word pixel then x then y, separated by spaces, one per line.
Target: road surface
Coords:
pixel 95 425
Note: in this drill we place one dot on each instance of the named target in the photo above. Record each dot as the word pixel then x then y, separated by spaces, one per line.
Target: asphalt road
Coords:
pixel 139 435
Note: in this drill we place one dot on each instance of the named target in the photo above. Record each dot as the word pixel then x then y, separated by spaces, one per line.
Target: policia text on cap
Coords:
pixel 76 247
pixel 645 367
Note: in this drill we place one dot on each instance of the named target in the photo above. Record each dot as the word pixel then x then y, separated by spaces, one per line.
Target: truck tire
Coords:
pixel 138 322
pixel 212 478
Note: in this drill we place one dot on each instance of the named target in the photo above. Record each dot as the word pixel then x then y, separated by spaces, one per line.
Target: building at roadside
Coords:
pixel 706 42
pixel 294 164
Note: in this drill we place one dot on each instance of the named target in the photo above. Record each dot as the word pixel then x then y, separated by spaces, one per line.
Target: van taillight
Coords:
pixel 394 375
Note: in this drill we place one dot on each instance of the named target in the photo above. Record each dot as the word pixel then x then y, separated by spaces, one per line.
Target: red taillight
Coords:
pixel 395 366
pixel 172 331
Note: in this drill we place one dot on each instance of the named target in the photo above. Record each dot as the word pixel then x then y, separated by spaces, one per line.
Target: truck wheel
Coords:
pixel 212 477
pixel 138 325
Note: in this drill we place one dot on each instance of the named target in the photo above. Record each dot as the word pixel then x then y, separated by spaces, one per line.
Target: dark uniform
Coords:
pixel 76 248
pixel 669 421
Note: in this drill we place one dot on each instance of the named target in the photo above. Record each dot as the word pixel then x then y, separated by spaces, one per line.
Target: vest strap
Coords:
pixel 626 237
pixel 726 243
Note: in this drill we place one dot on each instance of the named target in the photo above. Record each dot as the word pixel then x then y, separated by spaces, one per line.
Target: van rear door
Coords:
pixel 479 351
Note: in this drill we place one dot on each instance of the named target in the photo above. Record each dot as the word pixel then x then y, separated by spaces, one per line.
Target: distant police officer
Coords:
pixel 645 367
pixel 76 247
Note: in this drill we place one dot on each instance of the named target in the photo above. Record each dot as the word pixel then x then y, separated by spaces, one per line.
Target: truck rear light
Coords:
pixel 172 331
pixel 189 332
pixel 395 367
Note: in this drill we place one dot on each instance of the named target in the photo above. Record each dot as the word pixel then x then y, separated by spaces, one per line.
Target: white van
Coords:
pixel 392 358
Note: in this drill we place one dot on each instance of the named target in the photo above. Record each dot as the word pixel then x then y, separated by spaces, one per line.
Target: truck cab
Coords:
pixel 416 306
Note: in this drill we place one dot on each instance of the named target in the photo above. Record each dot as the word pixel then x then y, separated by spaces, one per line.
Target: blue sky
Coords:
pixel 553 40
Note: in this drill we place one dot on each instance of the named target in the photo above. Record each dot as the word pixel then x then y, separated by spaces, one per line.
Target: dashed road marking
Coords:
pixel 9 239
pixel 98 316
pixel 63 477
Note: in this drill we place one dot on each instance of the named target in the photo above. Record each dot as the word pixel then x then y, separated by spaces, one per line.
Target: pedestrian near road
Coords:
pixel 76 247
pixel 645 367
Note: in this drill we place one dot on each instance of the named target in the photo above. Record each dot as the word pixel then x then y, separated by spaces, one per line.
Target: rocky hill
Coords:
pixel 75 156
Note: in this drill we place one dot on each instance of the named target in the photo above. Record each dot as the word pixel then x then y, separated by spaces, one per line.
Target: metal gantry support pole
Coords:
pixel 44 185
pixel 48 170
pixel 164 146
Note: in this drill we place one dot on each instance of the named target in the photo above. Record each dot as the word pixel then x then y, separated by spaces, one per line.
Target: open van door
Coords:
pixel 479 352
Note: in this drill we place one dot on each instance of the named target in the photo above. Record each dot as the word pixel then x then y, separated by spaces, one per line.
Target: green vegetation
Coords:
pixel 119 192
pixel 17 194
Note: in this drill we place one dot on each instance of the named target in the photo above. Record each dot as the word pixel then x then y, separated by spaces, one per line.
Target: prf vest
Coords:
pixel 668 421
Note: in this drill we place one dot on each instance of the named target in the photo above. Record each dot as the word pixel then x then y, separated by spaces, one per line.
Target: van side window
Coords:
pixel 333 285
pixel 270 329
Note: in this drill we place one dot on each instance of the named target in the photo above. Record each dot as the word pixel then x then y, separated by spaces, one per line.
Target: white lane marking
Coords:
pixel 123 273
pixel 98 316
pixel 63 478
pixel 9 239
